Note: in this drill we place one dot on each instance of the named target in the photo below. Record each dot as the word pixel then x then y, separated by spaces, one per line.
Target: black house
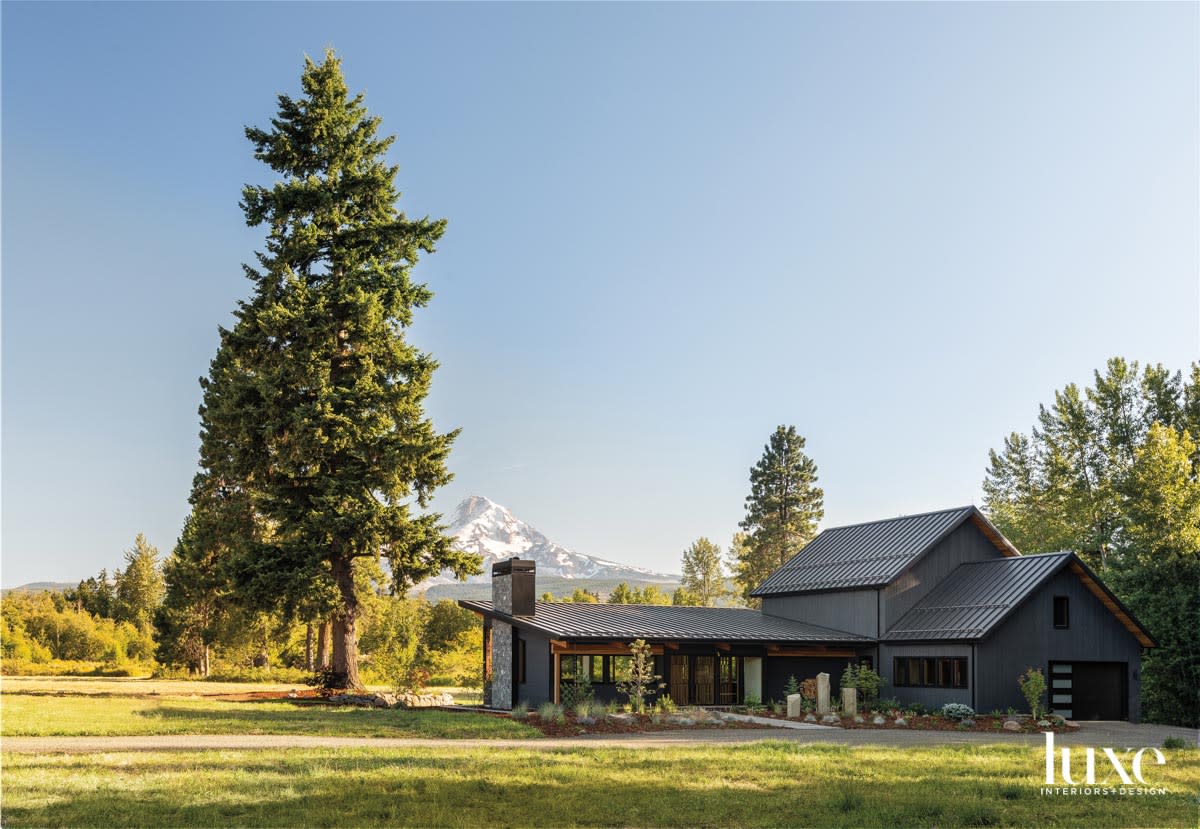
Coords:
pixel 941 603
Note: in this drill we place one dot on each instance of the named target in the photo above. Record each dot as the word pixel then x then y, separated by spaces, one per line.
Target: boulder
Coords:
pixel 878 719
pixel 795 706
pixel 967 723
pixel 1012 725
pixel 680 719
pixel 850 701
pixel 900 721
pixel 810 718
pixel 1070 724
pixel 831 718
pixel 422 700
pixel 858 718
pixel 620 716
pixel 823 693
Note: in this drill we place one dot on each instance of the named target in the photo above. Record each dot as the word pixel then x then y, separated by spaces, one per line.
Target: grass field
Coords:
pixel 762 784
pixel 112 707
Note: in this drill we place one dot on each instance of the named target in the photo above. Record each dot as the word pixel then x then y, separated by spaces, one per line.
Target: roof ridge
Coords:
pixel 1021 557
pixel 900 518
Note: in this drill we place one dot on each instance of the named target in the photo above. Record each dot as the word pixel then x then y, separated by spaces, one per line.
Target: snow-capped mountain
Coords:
pixel 482 526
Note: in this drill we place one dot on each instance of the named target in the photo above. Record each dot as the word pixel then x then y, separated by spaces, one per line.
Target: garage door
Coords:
pixel 1089 690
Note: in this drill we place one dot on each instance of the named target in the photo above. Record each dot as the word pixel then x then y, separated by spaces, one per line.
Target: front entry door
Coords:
pixel 706 680
pixel 678 685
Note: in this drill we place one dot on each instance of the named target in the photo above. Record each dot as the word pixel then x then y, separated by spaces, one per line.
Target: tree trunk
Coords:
pixel 204 662
pixel 323 641
pixel 308 647
pixel 345 626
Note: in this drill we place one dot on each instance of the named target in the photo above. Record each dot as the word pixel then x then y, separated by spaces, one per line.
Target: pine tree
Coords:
pixel 782 510
pixel 703 577
pixel 140 587
pixel 313 409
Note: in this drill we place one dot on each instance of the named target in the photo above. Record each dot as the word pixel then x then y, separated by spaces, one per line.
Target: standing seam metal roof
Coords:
pixel 975 597
pixel 634 621
pixel 862 555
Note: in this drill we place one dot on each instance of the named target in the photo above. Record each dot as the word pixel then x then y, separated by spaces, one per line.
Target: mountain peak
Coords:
pixel 490 530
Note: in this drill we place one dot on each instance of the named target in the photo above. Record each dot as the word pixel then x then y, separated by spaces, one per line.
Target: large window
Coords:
pixel 929 672
pixel 1062 612
pixel 597 669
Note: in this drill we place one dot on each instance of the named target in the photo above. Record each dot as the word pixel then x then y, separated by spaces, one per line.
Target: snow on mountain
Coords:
pixel 482 526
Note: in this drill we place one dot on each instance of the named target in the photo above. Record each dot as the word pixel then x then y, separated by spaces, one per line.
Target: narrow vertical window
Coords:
pixel 1062 612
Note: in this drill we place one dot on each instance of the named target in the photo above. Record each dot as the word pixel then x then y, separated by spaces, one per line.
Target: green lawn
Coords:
pixel 763 784
pixel 43 715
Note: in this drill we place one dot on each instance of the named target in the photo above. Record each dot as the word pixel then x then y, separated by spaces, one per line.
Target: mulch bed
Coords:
pixel 933 722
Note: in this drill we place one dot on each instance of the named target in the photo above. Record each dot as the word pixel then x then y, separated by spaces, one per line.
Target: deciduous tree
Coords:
pixel 703 576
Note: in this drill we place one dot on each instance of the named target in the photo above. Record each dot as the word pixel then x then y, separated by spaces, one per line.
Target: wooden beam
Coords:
pixel 779 650
pixel 723 646
pixel 557 677
pixel 598 649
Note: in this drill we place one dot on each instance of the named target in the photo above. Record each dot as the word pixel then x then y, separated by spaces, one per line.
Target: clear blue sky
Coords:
pixel 671 228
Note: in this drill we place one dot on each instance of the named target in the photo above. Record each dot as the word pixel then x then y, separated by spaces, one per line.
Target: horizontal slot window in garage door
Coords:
pixel 1061 690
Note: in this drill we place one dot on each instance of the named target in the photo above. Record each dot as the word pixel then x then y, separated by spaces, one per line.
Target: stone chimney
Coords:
pixel 513 594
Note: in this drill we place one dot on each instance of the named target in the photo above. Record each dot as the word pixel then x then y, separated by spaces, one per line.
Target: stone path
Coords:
pixel 1117 735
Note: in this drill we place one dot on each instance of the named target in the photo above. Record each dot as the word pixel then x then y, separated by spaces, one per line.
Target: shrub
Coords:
pixel 957 711
pixel 1174 742
pixel 752 702
pixel 918 709
pixel 868 682
pixel 792 687
pixel 520 711
pixel 808 689
pixel 1033 687
pixel 577 691
pixel 883 704
pixel 666 705
pixel 849 676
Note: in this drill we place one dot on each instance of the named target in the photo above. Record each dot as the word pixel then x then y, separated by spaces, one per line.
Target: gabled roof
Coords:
pixel 871 555
pixel 974 599
pixel 568 620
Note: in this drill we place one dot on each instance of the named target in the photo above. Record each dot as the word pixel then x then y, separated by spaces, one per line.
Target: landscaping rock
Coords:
pixel 900 721
pixel 1070 724
pixel 795 706
pixel 831 718
pixel 858 718
pixel 1012 725
pixel 422 700
pixel 850 701
pixel 967 723
pixel 810 718
pixel 1043 724
pixel 359 700
pixel 620 716
pixel 680 719
pixel 878 719
pixel 822 693
pixel 586 720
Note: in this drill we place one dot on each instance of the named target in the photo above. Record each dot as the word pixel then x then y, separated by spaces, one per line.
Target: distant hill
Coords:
pixel 41 587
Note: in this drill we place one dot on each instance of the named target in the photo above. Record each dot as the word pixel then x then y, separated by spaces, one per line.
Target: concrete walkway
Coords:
pixel 1118 735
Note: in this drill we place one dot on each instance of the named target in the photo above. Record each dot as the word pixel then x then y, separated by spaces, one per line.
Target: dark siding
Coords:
pixel 851 610
pixel 965 544
pixel 777 669
pixel 1028 638
pixel 538 665
pixel 929 697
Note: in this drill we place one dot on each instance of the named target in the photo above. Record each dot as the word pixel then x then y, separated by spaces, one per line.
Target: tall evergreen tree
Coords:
pixel 782 511
pixel 703 576
pixel 140 587
pixel 313 409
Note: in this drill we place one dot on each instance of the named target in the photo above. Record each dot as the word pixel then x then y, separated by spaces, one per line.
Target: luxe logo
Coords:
pixel 1090 764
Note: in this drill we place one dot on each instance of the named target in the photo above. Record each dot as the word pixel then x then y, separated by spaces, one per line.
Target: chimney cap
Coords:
pixel 513 565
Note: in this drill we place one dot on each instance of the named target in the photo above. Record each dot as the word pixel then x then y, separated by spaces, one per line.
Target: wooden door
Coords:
pixel 677 687
pixel 706 680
